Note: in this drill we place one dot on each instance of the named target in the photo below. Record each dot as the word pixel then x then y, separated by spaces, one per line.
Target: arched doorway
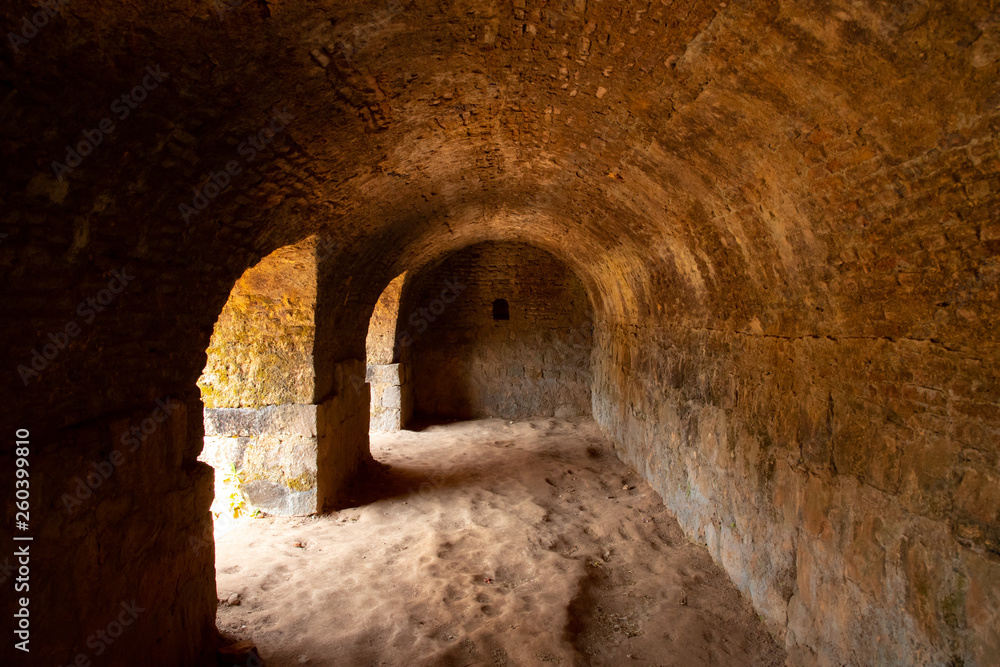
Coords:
pixel 257 388
pixel 388 372
pixel 498 329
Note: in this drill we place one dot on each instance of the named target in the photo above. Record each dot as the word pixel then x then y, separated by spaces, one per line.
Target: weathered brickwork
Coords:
pixel 466 364
pixel 798 201
pixel 342 424
pixel 827 508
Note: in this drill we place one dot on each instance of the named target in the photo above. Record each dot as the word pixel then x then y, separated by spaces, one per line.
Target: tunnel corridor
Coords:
pixel 756 244
pixel 487 542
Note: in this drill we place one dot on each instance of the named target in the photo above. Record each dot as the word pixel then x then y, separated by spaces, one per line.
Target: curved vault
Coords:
pixel 785 214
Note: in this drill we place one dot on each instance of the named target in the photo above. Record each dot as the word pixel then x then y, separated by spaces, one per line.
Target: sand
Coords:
pixel 487 543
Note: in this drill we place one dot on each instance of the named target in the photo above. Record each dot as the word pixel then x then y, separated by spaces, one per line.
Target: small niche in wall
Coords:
pixel 501 310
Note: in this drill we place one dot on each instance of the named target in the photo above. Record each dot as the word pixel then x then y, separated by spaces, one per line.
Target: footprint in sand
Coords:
pixel 272 580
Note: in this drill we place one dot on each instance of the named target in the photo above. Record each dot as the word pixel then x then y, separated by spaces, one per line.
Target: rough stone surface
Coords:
pixel 342 423
pixel 129 520
pixel 380 344
pixel 392 397
pixel 466 364
pixel 798 201
pixel 261 348
pixel 833 515
pixel 274 447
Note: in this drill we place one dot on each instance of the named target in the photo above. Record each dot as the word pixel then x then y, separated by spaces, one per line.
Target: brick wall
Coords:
pixel 797 200
pixel 466 364
pixel 836 448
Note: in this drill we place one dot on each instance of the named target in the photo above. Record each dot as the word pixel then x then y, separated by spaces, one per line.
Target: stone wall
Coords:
pixel 274 447
pixel 122 534
pixel 392 396
pixel 380 344
pixel 342 423
pixel 842 483
pixel 262 345
pixel 466 364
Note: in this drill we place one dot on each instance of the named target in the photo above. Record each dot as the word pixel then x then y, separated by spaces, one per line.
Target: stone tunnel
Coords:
pixel 757 242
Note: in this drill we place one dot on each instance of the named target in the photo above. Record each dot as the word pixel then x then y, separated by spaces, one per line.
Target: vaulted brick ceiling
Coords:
pixel 786 215
pixel 735 165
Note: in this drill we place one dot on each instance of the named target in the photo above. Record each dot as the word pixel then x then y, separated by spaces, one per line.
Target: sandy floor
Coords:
pixel 488 543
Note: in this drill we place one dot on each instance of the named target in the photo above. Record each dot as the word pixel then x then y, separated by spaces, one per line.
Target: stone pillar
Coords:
pixel 392 397
pixel 122 538
pixel 342 427
pixel 274 446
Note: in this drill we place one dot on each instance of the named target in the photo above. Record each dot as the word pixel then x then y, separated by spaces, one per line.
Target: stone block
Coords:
pixel 275 498
pixel 392 397
pixel 385 421
pixel 384 374
pixel 274 447
pixel 295 419
pixel 231 422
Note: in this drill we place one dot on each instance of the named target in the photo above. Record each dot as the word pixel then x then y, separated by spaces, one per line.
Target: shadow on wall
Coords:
pixel 497 330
